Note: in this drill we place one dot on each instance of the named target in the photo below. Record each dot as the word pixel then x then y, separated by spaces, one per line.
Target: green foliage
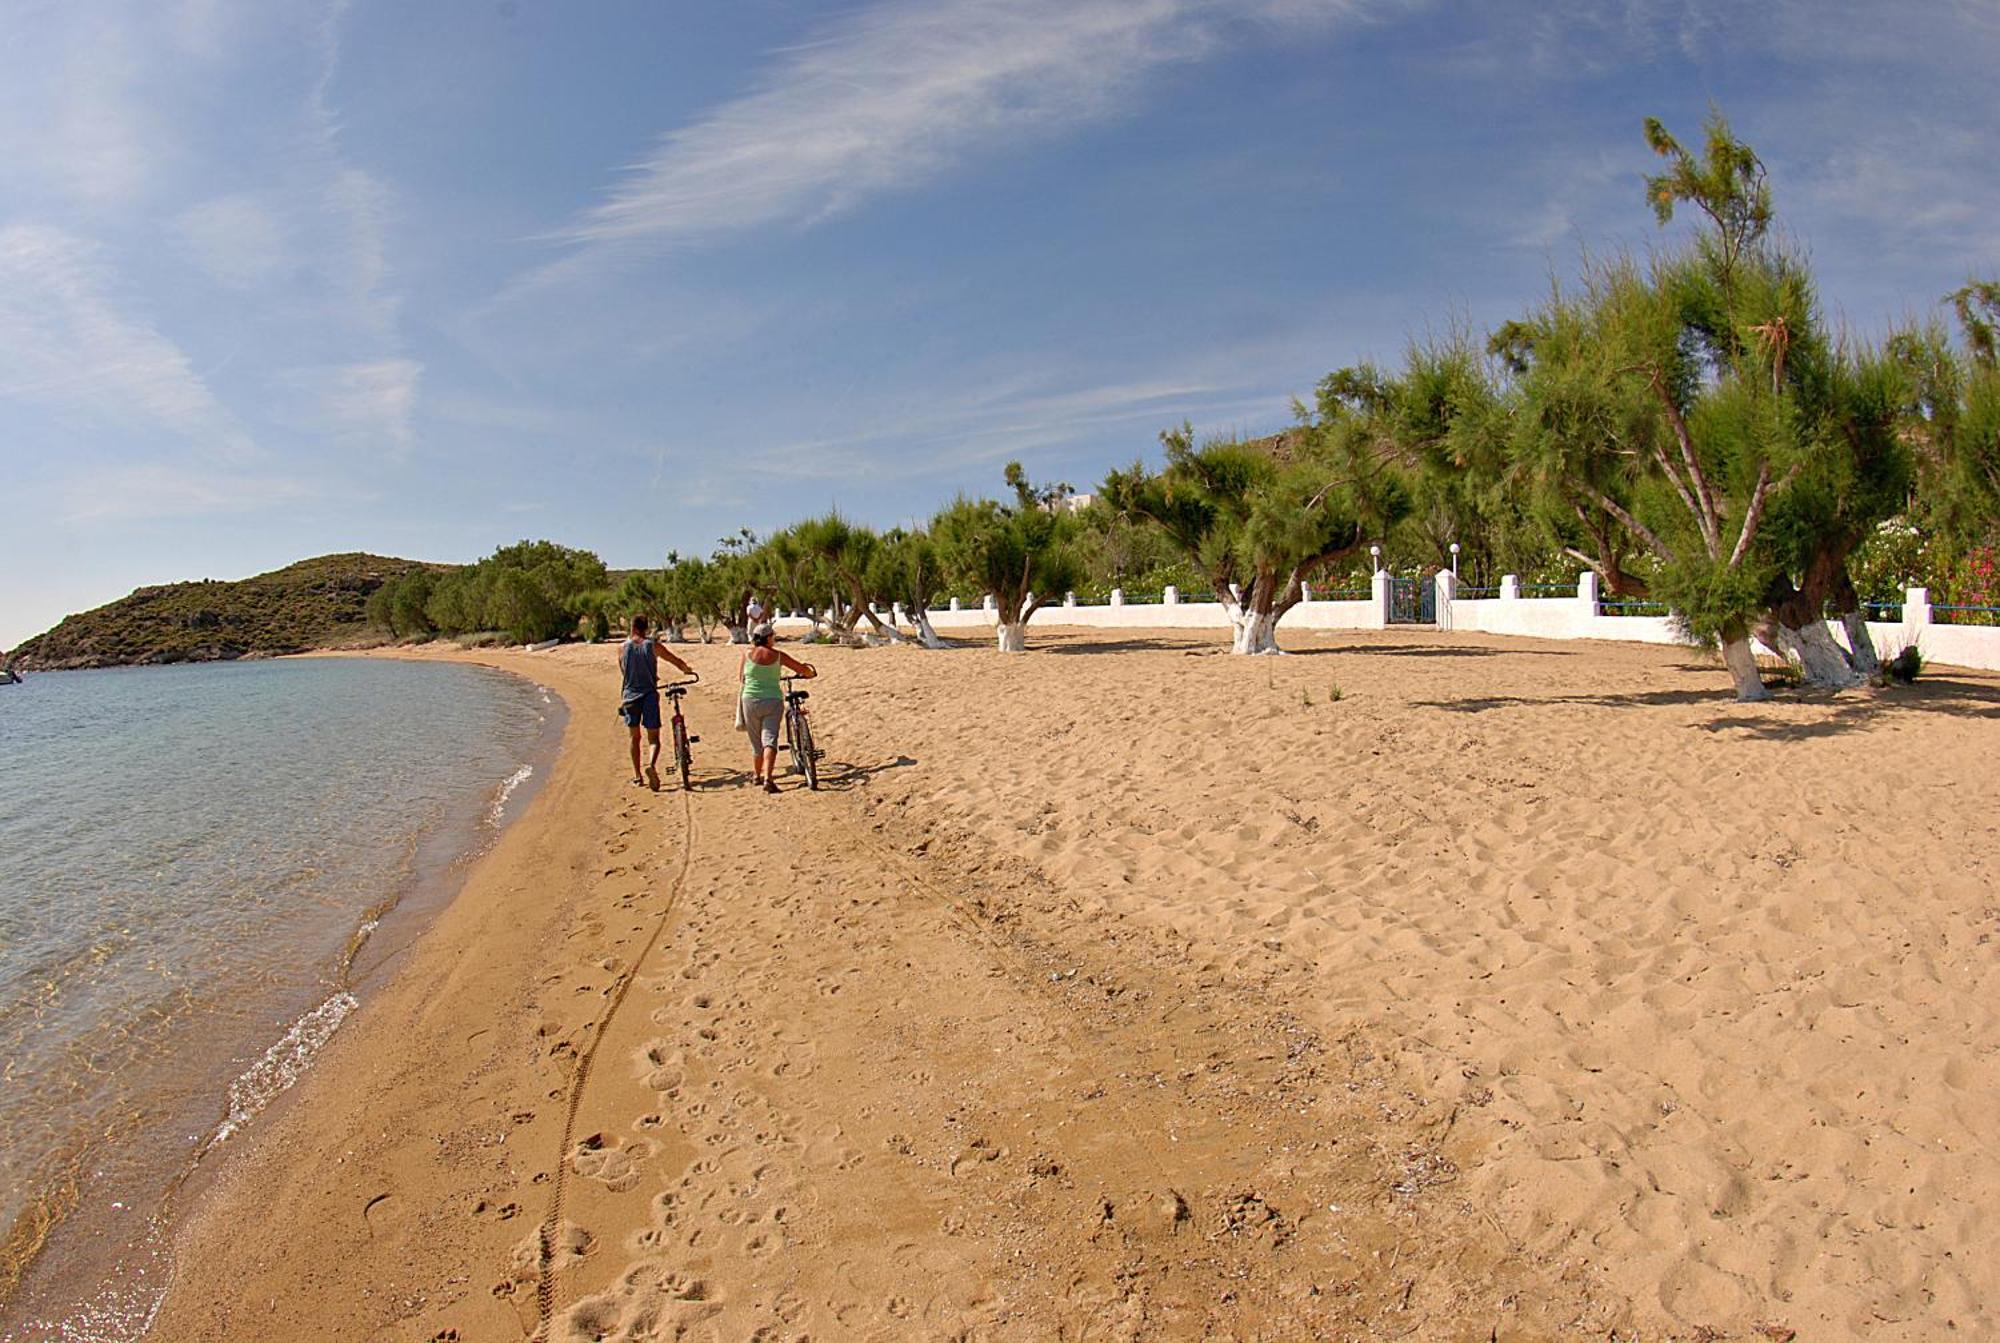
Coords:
pixel 1906 666
pixel 1711 602
pixel 1023 552
pixel 530 591
pixel 906 567
pixel 1262 517
pixel 1726 183
pixel 1978 307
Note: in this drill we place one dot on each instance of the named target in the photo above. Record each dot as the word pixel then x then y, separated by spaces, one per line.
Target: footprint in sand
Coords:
pixel 614 1165
pixel 571 1245
pixel 383 1215
pixel 659 1066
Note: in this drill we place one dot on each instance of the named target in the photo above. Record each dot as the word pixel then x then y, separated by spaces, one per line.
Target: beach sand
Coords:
pixel 1126 989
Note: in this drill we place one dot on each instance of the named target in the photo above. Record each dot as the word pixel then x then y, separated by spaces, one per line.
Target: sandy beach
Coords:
pixel 1466 988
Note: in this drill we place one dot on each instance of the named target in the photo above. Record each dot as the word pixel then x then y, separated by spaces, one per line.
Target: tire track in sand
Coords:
pixel 546 1296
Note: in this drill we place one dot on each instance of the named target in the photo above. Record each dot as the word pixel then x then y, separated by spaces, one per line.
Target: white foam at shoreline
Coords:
pixel 507 787
pixel 282 1064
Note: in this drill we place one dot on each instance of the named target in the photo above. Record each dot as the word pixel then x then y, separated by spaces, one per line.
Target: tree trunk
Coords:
pixel 1866 660
pixel 1254 621
pixel 1823 664
pixel 887 632
pixel 1742 664
pixel 676 632
pixel 1012 638
pixel 926 636
pixel 1853 619
pixel 1256 632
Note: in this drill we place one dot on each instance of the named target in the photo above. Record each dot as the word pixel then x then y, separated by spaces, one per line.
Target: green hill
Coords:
pixel 315 603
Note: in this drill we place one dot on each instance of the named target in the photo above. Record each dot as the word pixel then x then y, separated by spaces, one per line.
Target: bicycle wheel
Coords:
pixel 793 725
pixel 681 752
pixel 808 757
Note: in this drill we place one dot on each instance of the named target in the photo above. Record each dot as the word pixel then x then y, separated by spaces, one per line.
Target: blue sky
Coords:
pixel 284 278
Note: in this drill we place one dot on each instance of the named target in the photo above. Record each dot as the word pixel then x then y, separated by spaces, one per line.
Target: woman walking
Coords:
pixel 764 701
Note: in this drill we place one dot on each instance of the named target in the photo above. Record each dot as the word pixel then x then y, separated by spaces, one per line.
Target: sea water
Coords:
pixel 191 861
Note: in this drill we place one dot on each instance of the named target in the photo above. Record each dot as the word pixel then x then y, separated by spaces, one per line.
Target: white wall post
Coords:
pixel 1305 592
pixel 1378 618
pixel 1118 596
pixel 1510 587
pixel 1069 599
pixel 1917 606
pixel 987 603
pixel 1586 591
pixel 1447 593
pixel 895 613
pixel 954 603
pixel 1172 596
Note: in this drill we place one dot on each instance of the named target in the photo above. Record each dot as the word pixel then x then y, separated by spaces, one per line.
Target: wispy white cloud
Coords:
pixel 236 241
pixel 151 491
pixel 1940 201
pixel 67 343
pixel 947 434
pixel 369 404
pixel 898 94
pixel 358 201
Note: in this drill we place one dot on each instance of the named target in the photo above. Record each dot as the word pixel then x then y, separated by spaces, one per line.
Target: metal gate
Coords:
pixel 1412 601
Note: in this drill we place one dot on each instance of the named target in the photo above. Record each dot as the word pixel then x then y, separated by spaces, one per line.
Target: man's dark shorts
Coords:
pixel 642 712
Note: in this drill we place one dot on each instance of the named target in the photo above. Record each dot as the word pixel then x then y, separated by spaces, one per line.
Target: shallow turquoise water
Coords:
pixel 189 857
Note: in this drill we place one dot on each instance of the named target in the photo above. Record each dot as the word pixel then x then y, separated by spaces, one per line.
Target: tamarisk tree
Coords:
pixel 1259 519
pixel 846 550
pixel 1698 407
pixel 1022 552
pixel 907 569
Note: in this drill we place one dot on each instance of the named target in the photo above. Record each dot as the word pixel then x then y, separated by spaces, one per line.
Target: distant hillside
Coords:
pixel 315 603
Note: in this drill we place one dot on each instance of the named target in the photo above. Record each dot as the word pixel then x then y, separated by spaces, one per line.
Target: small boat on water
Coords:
pixel 8 676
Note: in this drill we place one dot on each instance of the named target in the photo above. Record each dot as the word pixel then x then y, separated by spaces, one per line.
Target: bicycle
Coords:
pixel 798 735
pixel 682 740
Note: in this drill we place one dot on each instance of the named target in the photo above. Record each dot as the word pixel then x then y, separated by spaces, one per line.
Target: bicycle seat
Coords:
pixel 798 694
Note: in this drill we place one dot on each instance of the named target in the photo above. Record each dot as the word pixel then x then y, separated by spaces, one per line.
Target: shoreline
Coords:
pixel 440 856
pixel 398 971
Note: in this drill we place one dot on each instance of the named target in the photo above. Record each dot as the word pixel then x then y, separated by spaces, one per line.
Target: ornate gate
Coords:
pixel 1412 601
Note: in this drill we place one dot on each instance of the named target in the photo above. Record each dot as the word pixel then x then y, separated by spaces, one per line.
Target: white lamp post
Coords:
pixel 1454 559
pixel 1375 554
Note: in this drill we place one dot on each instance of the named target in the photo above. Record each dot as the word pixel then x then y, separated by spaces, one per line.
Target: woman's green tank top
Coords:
pixel 760 680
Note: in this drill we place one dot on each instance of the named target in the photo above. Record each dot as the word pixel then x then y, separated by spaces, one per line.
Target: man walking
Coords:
pixel 639 700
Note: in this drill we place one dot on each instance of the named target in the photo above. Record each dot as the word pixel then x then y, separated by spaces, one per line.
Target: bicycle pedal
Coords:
pixel 693 741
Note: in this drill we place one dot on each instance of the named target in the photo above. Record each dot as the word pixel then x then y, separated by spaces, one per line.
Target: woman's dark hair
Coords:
pixel 763 636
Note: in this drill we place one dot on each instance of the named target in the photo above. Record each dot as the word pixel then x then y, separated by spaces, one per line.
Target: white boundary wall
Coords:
pixel 1565 617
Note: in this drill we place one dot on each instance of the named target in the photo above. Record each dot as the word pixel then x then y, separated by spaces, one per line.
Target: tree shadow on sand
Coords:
pixel 1930 695
pixel 1634 700
pixel 1191 642
pixel 1431 651
pixel 1772 721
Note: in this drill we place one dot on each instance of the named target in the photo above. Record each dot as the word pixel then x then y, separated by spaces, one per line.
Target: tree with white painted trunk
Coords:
pixel 1260 519
pixel 907 570
pixel 1696 411
pixel 847 550
pixel 1022 552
